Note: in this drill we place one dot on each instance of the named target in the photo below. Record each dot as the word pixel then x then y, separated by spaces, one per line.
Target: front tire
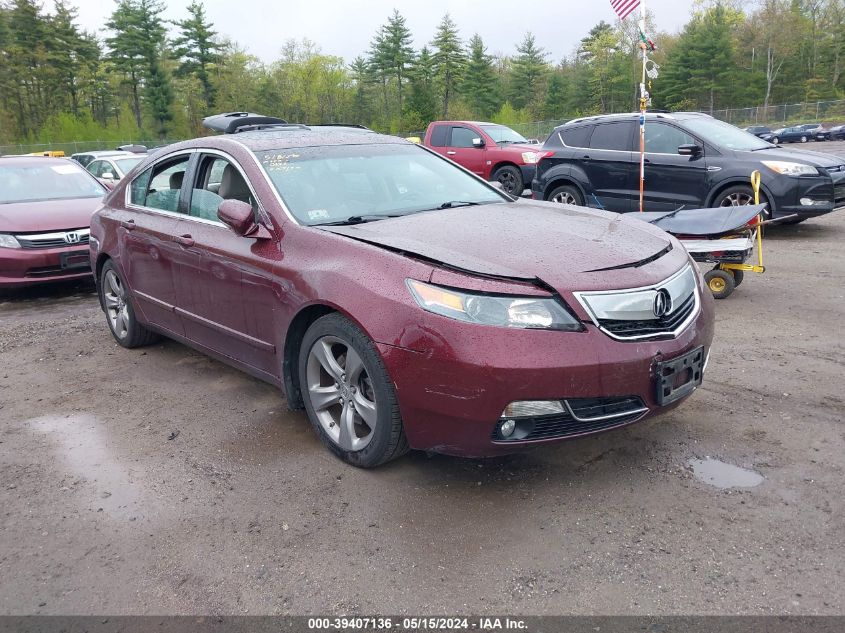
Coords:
pixel 120 314
pixel 775 140
pixel 566 194
pixel 348 395
pixel 510 178
pixel 741 195
pixel 803 139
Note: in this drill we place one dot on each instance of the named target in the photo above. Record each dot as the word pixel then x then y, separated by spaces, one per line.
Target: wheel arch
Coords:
pixel 503 163
pixel 102 258
pixel 561 181
pixel 293 341
pixel 734 182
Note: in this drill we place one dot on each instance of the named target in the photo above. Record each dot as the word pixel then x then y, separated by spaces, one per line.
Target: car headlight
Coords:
pixel 533 313
pixel 790 169
pixel 8 241
pixel 531 158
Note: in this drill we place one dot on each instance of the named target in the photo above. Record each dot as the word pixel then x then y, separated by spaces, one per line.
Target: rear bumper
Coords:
pixel 26 267
pixel 452 396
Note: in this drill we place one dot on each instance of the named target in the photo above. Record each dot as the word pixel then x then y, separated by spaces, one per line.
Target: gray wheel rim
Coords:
pixel 737 200
pixel 117 309
pixel 341 392
pixel 508 181
pixel 564 197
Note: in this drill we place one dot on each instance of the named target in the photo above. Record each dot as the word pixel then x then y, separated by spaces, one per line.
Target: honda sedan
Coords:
pixel 402 301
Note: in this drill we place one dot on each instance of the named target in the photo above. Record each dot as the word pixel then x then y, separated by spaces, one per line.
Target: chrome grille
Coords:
pixel 632 314
pixel 54 240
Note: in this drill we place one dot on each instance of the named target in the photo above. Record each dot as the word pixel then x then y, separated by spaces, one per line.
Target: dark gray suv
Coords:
pixel 691 159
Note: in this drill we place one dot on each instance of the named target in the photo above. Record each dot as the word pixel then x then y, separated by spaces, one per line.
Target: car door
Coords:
pixel 610 166
pixel 672 180
pixel 463 151
pixel 226 295
pixel 148 235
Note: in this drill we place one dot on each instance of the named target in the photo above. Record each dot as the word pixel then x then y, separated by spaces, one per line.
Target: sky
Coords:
pixel 346 27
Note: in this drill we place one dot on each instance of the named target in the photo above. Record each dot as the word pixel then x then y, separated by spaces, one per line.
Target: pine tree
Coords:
pixel 197 49
pixel 480 86
pixel 528 72
pixel 399 52
pixel 73 54
pixel 361 100
pixel 380 67
pixel 448 61
pixel 423 99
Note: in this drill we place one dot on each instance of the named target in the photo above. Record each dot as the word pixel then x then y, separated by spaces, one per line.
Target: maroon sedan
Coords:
pixel 45 211
pixel 400 300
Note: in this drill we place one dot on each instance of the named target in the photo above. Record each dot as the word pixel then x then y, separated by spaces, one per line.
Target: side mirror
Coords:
pixel 689 150
pixel 238 216
pixel 478 142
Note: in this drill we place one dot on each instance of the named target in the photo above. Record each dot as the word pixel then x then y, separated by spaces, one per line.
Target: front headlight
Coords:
pixel 790 169
pixel 8 241
pixel 530 158
pixel 533 313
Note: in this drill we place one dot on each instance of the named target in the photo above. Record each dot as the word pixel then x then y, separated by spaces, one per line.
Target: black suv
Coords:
pixel 691 159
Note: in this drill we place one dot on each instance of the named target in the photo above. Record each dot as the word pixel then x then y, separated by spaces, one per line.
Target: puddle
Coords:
pixel 723 475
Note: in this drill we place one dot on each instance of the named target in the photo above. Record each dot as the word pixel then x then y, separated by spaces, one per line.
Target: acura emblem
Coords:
pixel 73 238
pixel 662 303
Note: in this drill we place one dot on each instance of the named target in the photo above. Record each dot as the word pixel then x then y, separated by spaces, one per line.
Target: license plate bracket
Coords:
pixel 75 260
pixel 679 377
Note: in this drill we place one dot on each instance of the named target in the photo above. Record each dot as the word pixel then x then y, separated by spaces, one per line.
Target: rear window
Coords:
pixel 439 135
pixel 576 136
pixel 613 136
pixel 49 181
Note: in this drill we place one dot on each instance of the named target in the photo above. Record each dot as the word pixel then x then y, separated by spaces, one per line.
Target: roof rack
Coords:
pixel 354 125
pixel 234 122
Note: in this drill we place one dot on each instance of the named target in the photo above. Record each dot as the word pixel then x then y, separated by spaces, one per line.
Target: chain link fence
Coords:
pixel 74 147
pixel 828 112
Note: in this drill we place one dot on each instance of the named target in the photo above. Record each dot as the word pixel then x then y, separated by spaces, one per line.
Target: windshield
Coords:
pixel 47 182
pixel 321 185
pixel 723 134
pixel 502 134
pixel 126 164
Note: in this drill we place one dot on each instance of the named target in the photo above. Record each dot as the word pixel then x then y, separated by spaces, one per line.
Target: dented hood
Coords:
pixel 569 248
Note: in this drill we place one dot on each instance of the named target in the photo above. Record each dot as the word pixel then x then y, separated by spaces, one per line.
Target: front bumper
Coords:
pixel 824 194
pixel 26 267
pixel 452 396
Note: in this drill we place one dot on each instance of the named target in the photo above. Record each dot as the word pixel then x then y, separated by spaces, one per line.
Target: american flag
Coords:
pixel 624 8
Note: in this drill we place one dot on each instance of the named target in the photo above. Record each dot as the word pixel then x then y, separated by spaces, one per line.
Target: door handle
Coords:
pixel 451 153
pixel 585 157
pixel 129 225
pixel 185 240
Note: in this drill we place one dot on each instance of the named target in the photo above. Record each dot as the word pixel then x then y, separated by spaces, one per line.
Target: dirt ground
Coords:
pixel 158 481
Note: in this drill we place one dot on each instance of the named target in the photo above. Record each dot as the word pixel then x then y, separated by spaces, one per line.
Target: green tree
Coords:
pixel 197 49
pixel 399 52
pixel 422 102
pixel 448 61
pixel 528 73
pixel 480 86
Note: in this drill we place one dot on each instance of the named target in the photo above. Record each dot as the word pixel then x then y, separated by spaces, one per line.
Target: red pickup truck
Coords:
pixel 494 152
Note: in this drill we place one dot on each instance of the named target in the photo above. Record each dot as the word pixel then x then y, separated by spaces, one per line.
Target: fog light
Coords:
pixel 532 408
pixel 807 202
pixel 507 428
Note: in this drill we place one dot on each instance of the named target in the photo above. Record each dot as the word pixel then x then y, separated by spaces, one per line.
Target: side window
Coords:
pixel 576 136
pixel 166 184
pixel 138 188
pixel 613 136
pixel 662 138
pixel 96 168
pixel 217 180
pixel 462 137
pixel 439 136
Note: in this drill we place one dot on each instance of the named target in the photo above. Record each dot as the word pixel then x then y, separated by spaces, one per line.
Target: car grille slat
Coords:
pixel 53 240
pixel 623 409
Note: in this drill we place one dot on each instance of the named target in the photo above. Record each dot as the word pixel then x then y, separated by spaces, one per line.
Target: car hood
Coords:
pixel 816 159
pixel 47 215
pixel 567 248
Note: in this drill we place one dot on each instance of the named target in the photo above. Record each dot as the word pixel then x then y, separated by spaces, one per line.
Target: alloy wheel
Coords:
pixel 508 182
pixel 564 197
pixel 117 309
pixel 737 200
pixel 341 393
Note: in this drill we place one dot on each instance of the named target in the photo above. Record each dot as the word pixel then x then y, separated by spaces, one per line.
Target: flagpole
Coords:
pixel 643 106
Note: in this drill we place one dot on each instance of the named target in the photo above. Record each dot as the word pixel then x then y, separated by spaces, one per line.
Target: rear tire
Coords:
pixel 566 194
pixel 511 179
pixel 120 313
pixel 348 395
pixel 803 139
pixel 775 140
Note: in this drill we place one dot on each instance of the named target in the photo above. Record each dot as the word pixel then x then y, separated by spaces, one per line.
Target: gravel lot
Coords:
pixel 158 481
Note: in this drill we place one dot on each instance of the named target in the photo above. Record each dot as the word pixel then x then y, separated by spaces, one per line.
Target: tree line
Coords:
pixel 145 77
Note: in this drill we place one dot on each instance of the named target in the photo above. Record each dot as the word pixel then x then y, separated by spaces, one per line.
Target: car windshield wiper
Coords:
pixel 356 219
pixel 451 204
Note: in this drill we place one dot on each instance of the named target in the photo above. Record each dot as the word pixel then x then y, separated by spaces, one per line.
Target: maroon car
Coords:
pixel 402 301
pixel 45 211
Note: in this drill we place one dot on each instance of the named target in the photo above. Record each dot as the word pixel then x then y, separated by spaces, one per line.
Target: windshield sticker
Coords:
pixel 318 214
pixel 278 162
pixel 64 169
